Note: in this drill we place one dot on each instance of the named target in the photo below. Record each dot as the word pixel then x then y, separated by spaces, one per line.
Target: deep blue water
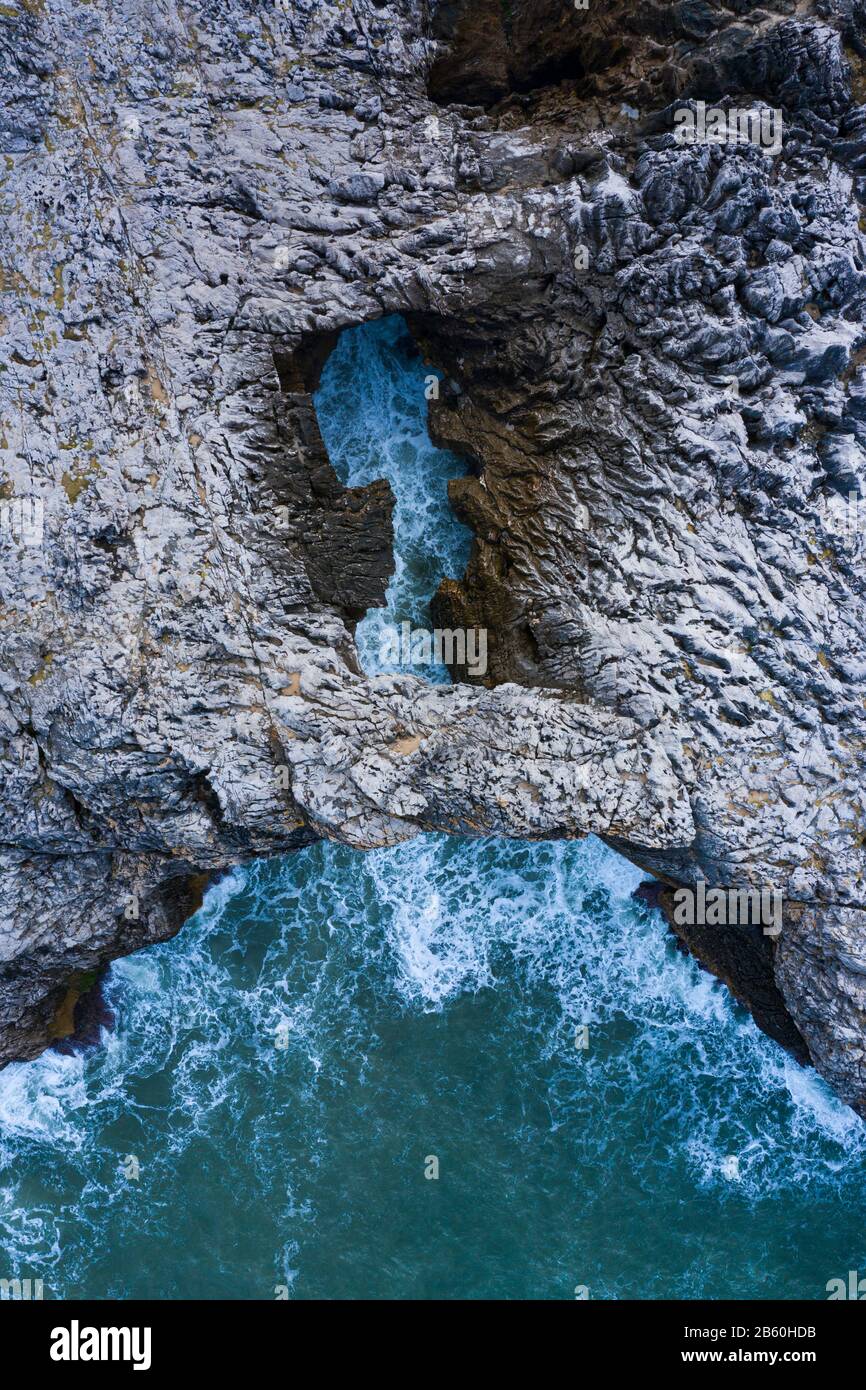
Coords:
pixel 286 1068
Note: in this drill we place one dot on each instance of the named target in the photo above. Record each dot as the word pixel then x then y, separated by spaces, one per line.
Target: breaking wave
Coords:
pixel 260 1122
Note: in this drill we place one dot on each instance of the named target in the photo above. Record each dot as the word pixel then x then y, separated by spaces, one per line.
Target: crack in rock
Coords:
pixel 656 368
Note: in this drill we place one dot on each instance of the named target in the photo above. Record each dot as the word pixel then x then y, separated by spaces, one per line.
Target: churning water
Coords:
pixel 284 1071
pixel 372 409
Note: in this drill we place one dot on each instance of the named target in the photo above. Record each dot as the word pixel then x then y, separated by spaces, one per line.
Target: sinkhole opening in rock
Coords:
pixel 371 400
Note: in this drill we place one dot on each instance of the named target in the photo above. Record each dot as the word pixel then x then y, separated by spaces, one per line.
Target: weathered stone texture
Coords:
pixel 196 199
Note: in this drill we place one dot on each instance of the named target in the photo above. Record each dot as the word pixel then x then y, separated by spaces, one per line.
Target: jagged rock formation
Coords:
pixel 656 362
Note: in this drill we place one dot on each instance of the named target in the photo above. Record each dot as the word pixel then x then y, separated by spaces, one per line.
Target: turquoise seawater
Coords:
pixel 372 409
pixel 284 1071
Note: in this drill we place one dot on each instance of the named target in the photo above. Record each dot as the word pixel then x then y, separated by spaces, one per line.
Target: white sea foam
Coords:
pixel 359 390
pixel 359 956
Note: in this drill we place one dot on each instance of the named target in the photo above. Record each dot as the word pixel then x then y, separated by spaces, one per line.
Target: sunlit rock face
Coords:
pixel 651 332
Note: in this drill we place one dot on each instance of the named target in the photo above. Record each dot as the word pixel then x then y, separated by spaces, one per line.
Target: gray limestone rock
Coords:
pixel 657 360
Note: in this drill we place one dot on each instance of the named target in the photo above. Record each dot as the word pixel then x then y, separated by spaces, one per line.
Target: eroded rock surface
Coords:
pixel 655 362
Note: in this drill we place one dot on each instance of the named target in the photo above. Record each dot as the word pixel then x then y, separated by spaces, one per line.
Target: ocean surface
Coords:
pixel 332 1029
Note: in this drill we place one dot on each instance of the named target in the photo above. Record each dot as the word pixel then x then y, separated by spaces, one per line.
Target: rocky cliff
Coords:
pixel 656 370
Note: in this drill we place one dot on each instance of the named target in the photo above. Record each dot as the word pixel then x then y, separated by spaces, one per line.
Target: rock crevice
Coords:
pixel 655 355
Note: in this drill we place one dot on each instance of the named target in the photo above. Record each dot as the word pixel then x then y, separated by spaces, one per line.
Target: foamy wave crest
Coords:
pixel 605 1113
pixel 372 375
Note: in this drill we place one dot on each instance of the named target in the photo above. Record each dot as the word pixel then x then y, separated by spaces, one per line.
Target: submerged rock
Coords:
pixel 656 360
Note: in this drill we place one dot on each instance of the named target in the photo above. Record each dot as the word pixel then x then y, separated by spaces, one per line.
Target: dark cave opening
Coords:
pixel 492 48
